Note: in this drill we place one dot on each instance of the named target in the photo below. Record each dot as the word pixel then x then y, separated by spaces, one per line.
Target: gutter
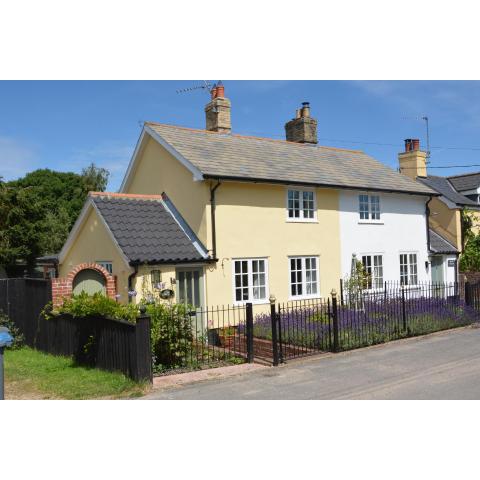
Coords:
pixel 320 185
pixel 212 212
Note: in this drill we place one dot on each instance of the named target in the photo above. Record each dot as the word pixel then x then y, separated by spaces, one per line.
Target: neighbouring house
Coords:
pixel 218 218
pixel 445 212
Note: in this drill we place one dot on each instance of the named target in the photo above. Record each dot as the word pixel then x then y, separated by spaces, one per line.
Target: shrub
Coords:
pixel 172 334
pixel 18 337
pixel 84 305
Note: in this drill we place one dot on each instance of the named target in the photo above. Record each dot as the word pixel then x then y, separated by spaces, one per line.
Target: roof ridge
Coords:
pixel 253 137
pixel 139 196
pixel 463 175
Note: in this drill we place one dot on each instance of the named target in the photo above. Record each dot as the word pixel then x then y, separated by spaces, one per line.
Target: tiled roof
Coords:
pixel 469 181
pixel 145 229
pixel 442 185
pixel 439 245
pixel 239 157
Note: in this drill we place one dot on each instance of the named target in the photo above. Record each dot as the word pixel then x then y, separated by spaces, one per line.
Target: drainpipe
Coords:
pixel 427 221
pixel 212 211
pixel 130 280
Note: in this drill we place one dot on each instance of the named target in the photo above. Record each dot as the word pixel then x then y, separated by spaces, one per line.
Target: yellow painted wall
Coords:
pixel 251 222
pixel 446 221
pixel 94 243
pixel 143 285
pixel 158 171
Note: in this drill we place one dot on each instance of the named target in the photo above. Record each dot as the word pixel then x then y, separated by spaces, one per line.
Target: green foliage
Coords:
pixel 18 337
pixel 84 305
pixel 172 334
pixel 470 259
pixel 38 210
pixel 356 282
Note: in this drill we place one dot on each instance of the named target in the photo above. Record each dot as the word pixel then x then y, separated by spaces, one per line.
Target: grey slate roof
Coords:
pixel 238 157
pixel 439 245
pixel 469 181
pixel 145 230
pixel 442 185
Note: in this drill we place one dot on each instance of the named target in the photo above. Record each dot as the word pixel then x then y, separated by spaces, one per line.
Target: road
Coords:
pixel 445 365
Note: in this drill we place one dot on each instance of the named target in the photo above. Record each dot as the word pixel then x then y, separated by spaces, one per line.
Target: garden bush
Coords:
pixel 18 337
pixel 84 305
pixel 172 335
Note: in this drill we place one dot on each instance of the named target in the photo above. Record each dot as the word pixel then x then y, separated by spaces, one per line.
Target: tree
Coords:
pixel 95 179
pixel 38 210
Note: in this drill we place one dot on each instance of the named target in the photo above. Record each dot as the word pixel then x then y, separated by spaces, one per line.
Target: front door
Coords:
pixel 190 286
pixel 437 269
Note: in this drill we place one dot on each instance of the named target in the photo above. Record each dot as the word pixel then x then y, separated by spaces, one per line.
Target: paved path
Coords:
pixel 445 365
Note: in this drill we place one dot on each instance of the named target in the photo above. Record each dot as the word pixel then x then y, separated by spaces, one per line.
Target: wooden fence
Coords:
pixel 98 342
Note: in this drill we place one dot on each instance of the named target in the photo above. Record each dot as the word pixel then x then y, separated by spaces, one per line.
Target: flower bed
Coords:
pixel 375 322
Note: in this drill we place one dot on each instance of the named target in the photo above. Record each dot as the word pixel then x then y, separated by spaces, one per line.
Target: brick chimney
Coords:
pixel 302 128
pixel 413 162
pixel 217 111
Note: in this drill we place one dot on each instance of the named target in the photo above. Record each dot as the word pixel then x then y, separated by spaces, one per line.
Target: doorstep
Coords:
pixel 200 375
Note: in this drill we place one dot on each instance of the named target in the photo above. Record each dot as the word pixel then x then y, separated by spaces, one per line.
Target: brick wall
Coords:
pixel 62 287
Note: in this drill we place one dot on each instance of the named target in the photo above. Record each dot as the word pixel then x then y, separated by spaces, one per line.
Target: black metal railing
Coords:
pixel 194 338
pixel 369 317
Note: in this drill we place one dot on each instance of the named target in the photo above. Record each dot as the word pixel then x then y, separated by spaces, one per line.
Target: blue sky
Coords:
pixel 65 125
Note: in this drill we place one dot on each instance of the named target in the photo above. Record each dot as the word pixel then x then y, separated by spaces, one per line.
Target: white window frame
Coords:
pixel 373 255
pixel 301 218
pixel 260 301
pixel 304 296
pixel 370 210
pixel 409 268
pixel 104 263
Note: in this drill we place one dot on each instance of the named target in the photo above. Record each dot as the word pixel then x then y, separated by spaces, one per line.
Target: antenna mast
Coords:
pixel 425 119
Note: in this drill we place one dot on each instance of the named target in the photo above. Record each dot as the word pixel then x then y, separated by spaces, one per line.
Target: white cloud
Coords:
pixel 16 159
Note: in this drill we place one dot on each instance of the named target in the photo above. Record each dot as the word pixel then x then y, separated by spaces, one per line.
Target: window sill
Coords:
pixel 253 302
pixel 302 220
pixel 304 297
pixel 370 222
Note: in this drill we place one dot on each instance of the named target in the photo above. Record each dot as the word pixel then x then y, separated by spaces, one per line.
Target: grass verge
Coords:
pixel 30 374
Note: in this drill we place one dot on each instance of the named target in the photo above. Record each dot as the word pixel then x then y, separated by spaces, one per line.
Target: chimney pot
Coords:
pixel 415 144
pixel 305 109
pixel 220 90
pixel 213 91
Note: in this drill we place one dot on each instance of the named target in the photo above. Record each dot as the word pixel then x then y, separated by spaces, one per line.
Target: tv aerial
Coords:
pixel 206 86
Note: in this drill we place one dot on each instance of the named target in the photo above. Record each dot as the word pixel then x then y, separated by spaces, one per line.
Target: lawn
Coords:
pixel 30 374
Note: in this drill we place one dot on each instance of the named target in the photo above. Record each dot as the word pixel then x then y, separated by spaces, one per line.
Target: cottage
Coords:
pixel 212 218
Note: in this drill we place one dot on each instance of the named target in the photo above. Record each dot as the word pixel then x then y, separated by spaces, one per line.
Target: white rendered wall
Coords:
pixel 401 229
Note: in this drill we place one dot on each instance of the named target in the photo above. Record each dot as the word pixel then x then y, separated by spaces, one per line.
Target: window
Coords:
pixel 369 207
pixel 304 277
pixel 250 280
pixel 106 265
pixel 373 265
pixel 408 269
pixel 301 205
pixel 156 279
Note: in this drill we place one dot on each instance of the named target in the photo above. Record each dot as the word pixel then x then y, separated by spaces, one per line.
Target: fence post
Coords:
pixel 404 313
pixel 273 317
pixel 468 292
pixel 249 329
pixel 142 368
pixel 333 293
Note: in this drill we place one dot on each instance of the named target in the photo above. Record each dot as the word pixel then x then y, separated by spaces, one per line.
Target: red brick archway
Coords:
pixel 62 287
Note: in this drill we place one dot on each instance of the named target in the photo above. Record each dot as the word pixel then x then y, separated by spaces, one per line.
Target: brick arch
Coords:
pixel 63 287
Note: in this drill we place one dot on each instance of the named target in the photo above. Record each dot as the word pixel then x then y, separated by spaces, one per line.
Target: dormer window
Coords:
pixel 301 205
pixel 369 207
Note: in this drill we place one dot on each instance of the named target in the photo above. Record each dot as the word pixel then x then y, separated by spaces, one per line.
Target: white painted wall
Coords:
pixel 401 229
pixel 448 272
